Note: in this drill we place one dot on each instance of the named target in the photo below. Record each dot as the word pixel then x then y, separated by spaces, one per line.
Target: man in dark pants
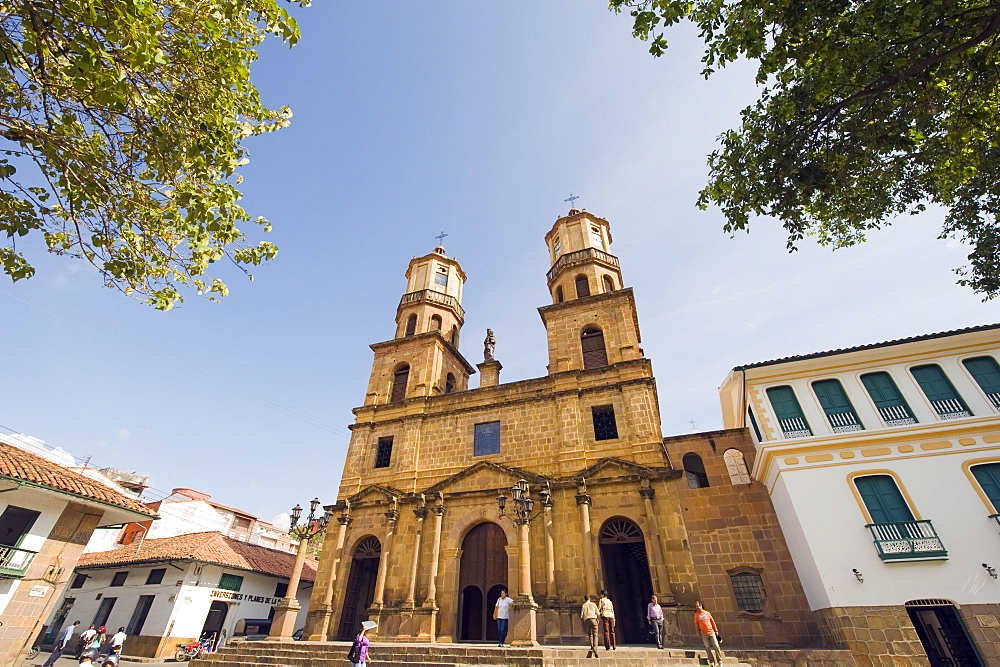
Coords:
pixel 607 612
pixel 61 644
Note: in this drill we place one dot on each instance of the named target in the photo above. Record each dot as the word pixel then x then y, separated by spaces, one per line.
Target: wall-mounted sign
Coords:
pixel 230 595
pixel 38 591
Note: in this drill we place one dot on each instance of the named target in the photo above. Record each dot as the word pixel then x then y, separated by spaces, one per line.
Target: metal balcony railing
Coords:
pixel 907 540
pixel 433 296
pixel 896 415
pixel 795 428
pixel 995 400
pixel 14 562
pixel 579 256
pixel 844 422
pixel 950 408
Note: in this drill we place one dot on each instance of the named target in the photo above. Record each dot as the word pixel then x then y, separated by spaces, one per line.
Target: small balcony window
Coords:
pixel 895 532
pixel 940 392
pixel 891 405
pixel 839 411
pixel 786 408
pixel 986 372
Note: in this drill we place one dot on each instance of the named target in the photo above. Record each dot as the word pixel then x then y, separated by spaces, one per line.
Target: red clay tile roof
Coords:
pixel 18 464
pixel 207 547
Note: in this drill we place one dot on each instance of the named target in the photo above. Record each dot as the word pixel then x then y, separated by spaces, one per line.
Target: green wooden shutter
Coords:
pixel 986 372
pixel 935 383
pixel 784 403
pixel 832 397
pixel 988 476
pixel 883 390
pixel 882 498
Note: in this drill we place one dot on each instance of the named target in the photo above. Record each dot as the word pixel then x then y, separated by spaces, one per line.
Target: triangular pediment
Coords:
pixel 482 476
pixel 614 467
pixel 374 493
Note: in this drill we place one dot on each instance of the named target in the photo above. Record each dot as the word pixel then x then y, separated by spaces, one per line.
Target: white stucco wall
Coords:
pixel 179 518
pixel 825 530
pixel 50 506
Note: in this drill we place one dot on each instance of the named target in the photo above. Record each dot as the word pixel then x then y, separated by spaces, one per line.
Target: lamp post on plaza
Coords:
pixel 286 612
pixel 521 516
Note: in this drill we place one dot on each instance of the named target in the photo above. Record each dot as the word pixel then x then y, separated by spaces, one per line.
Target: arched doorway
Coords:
pixel 943 634
pixel 216 619
pixel 360 587
pixel 626 576
pixel 483 573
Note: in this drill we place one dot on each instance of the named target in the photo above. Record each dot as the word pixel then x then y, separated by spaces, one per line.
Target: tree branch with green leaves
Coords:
pixel 869 110
pixel 121 131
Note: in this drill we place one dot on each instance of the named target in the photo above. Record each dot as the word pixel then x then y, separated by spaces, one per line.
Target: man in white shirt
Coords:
pixel 61 644
pixel 502 615
pixel 118 639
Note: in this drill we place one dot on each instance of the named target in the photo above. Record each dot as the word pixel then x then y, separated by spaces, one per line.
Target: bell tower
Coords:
pixel 423 358
pixel 592 322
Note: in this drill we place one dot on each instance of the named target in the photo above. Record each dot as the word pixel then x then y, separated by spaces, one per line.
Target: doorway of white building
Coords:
pixel 943 634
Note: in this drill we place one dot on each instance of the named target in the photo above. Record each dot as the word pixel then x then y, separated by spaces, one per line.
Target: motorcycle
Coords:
pixel 187 652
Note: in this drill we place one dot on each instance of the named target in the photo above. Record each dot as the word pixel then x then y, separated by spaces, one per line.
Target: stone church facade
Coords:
pixel 421 545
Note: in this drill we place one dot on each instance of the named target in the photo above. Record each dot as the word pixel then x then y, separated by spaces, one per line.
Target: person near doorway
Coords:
pixel 85 638
pixel 222 640
pixel 589 615
pixel 501 613
pixel 654 616
pixel 61 644
pixel 709 632
pixel 361 643
pixel 606 610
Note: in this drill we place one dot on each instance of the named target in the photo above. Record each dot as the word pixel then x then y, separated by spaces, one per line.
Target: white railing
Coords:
pixel 15 561
pixel 896 415
pixel 995 400
pixel 950 408
pixel 907 540
pixel 795 428
pixel 844 422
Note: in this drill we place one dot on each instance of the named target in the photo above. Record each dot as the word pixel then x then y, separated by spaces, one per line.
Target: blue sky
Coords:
pixel 478 118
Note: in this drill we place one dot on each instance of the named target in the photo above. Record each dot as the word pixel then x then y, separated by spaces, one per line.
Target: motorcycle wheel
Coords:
pixel 32 652
pixel 181 655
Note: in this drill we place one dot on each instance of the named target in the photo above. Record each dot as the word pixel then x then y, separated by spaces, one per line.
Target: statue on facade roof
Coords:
pixel 489 345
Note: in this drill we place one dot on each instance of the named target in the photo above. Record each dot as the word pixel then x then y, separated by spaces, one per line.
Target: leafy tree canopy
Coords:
pixel 869 109
pixel 123 122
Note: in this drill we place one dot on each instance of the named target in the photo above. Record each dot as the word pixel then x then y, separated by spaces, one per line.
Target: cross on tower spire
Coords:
pixel 572 198
pixel 440 237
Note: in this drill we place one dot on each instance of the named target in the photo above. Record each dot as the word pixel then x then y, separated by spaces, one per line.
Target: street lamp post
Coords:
pixel 525 631
pixel 286 612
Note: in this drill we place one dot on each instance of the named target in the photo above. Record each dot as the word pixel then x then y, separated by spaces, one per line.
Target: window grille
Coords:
pixel 384 454
pixel 749 590
pixel 605 426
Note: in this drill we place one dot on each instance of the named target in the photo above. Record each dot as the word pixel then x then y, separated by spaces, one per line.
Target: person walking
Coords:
pixel 61 644
pixel 654 616
pixel 501 613
pixel 589 615
pixel 709 632
pixel 606 610
pixel 361 643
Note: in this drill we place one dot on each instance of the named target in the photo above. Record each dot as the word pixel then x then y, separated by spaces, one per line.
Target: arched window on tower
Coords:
pixel 411 325
pixel 449 384
pixel 694 470
pixel 594 354
pixel 435 323
pixel 609 285
pixel 399 380
pixel 582 287
pixel 454 335
pixel 559 294
pixel 736 464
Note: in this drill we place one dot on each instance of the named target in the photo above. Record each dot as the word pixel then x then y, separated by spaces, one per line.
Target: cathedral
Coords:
pixel 553 487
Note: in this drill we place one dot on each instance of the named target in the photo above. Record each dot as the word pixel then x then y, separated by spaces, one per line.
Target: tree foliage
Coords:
pixel 869 109
pixel 123 123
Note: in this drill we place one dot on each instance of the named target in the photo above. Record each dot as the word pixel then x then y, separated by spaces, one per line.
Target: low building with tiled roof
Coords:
pixel 47 515
pixel 172 590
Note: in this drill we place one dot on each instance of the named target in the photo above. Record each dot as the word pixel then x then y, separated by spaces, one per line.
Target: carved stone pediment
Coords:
pixel 484 476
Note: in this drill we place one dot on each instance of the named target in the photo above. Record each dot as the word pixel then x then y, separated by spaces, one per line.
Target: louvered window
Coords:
pixel 399 380
pixel 411 325
pixel 582 287
pixel 594 354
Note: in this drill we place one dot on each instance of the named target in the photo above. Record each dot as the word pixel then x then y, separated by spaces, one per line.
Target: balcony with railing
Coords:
pixel 433 296
pixel 994 399
pixel 896 415
pixel 844 422
pixel 950 408
pixel 14 562
pixel 579 256
pixel 907 540
pixel 796 427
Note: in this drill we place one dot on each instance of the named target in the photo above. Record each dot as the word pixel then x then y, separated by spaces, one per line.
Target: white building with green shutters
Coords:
pixel 883 464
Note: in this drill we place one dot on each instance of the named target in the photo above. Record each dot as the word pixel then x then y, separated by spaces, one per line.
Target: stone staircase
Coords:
pixel 334 654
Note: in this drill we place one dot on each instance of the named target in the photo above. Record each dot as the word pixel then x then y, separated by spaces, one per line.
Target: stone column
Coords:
pixel 583 501
pixel 524 626
pixel 524 560
pixel 324 612
pixel 550 554
pixel 662 584
pixel 286 611
pixel 431 600
pixel 411 592
pixel 383 564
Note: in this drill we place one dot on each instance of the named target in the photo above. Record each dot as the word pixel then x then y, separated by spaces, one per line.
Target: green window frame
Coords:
pixel 837 406
pixel 889 402
pixel 788 411
pixel 939 390
pixel 231 582
pixel 883 499
pixel 988 476
pixel 986 372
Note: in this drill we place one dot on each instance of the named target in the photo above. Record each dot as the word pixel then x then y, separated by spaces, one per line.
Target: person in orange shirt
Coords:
pixel 709 632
